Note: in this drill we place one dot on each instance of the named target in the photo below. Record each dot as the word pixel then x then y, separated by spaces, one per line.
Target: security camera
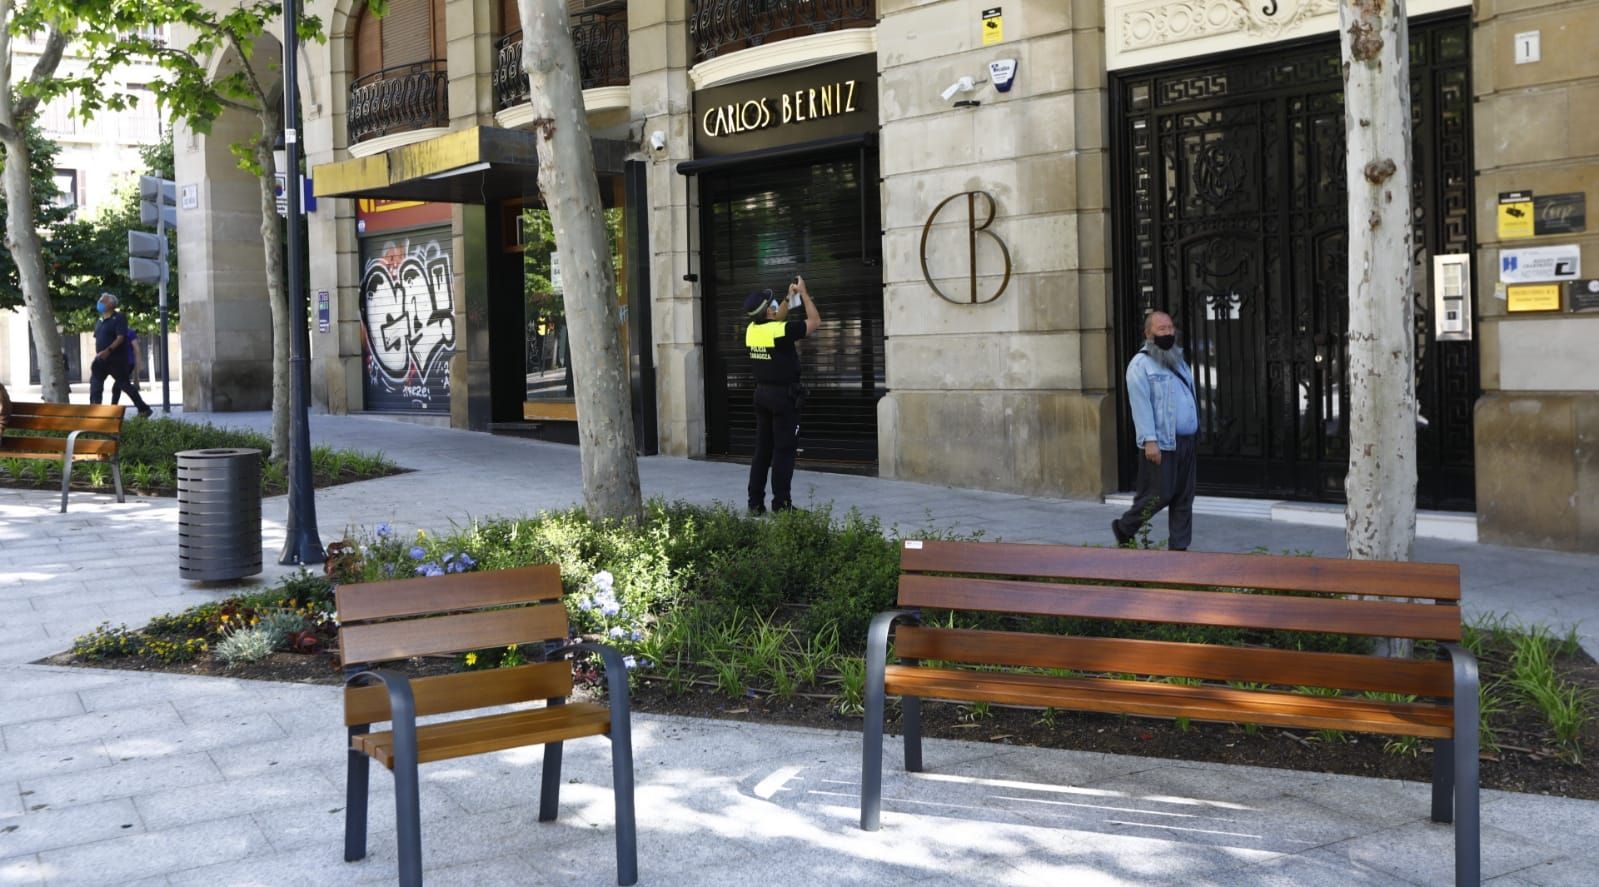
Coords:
pixel 965 84
pixel 658 140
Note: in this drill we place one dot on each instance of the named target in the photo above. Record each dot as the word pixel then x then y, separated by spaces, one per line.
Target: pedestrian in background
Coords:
pixel 110 354
pixel 133 365
pixel 1160 395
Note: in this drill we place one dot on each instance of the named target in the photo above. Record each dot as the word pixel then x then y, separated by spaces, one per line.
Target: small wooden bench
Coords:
pixel 105 422
pixel 398 619
pixel 1192 589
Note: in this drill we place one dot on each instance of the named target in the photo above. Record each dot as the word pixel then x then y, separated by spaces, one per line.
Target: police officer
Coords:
pixel 770 338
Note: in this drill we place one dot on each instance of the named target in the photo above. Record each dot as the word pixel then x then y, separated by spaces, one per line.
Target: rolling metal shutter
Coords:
pixel 407 321
pixel 762 225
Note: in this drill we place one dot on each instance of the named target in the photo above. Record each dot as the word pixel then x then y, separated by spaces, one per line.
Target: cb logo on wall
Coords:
pixel 974 228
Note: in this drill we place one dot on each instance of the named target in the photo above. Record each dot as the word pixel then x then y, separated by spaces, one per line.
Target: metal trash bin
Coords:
pixel 219 514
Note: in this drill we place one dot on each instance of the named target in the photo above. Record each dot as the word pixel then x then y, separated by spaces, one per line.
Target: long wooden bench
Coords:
pixel 63 422
pixel 395 620
pixel 1433 697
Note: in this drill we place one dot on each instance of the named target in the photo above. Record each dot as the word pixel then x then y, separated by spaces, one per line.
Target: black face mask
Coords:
pixel 1165 343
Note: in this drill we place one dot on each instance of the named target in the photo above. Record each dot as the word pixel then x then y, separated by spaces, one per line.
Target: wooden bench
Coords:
pixel 393 620
pixel 1108 674
pixel 74 419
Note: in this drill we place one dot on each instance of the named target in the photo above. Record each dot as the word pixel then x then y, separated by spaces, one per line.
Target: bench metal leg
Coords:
pixel 1443 780
pixel 116 475
pixel 356 781
pixel 1468 826
pixel 622 785
pixel 910 721
pixel 875 701
pixel 550 782
pixel 408 821
pixel 66 468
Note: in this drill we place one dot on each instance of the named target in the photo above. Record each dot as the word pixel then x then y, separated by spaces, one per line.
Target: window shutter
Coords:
pixel 408 33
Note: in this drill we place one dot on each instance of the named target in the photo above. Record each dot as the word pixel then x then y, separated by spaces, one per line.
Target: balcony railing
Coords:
pixel 399 99
pixel 601 57
pixel 717 27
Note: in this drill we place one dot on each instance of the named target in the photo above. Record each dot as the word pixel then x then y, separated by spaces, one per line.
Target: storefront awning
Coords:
pixel 484 164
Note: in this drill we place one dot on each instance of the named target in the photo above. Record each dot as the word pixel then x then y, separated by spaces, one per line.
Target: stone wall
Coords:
pixel 1011 394
pixel 1537 424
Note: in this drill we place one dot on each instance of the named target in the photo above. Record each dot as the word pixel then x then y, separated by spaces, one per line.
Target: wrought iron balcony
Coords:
pixel 398 99
pixel 601 42
pixel 721 26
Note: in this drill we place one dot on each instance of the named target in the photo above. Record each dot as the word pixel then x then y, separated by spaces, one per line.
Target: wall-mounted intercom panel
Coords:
pixel 1451 297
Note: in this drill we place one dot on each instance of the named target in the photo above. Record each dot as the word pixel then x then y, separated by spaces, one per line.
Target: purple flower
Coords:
pixel 617 632
pixel 448 558
pixel 384 531
pixel 610 608
pixel 417 553
pixel 603 580
pixel 629 661
pixel 466 561
pixel 429 569
pixel 637 635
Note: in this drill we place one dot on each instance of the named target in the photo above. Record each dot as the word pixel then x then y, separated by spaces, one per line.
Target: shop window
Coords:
pixel 549 368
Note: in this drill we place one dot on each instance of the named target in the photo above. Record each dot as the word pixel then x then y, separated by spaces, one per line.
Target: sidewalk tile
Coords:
pixel 41 708
pixel 94 725
pixel 180 806
pixel 51 829
pixel 154 854
pixel 124 780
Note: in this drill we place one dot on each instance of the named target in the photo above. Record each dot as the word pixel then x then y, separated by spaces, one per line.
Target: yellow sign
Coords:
pixel 1536 297
pixel 1515 220
pixel 993 27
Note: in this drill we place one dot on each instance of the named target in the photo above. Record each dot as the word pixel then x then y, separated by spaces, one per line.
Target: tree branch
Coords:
pixel 249 70
pixel 55 43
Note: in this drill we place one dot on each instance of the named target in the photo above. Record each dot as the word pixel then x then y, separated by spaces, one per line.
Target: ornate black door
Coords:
pixel 1232 218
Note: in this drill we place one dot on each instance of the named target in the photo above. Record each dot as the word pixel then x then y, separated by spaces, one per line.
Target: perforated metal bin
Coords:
pixel 219 514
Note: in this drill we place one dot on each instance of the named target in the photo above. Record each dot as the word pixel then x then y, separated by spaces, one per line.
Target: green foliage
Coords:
pixel 149 459
pixel 245 645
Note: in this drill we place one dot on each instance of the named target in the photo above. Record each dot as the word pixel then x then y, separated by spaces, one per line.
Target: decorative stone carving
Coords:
pixel 1163 22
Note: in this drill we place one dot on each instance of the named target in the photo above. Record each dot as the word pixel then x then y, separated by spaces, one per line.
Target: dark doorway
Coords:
pixel 1232 217
pixel 762 224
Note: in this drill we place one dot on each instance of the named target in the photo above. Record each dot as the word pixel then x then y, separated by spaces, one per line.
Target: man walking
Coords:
pixel 770 338
pixel 110 355
pixel 1160 394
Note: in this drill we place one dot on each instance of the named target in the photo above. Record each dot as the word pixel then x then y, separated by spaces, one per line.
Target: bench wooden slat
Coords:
pixel 1329 575
pixel 453 591
pixel 64 424
pixel 441 694
pixel 1293 668
pixel 87 410
pixel 384 641
pixel 54 447
pixel 1219 704
pixel 1227 609
pixel 471 736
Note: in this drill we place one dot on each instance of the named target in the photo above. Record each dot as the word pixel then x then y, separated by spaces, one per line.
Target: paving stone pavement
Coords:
pixel 114 777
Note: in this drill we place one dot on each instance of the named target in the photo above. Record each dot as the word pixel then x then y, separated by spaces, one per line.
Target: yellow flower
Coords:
pixel 511 648
pixel 225 617
pixel 471 659
pixel 421 536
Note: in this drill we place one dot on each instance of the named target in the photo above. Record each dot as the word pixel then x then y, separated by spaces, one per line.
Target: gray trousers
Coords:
pixel 1167 485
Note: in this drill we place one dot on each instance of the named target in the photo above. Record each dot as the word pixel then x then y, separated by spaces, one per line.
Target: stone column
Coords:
pixel 1012 394
pixel 1537 424
pixel 469 26
pixel 658 54
pixel 334 258
pixel 227 321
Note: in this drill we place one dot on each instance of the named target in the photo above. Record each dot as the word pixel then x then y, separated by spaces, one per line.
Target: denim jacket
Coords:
pixel 1151 390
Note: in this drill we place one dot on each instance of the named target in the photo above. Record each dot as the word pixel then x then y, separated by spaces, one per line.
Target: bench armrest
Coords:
pixel 616 687
pixel 615 668
pixel 402 709
pixel 1467 684
pixel 877 642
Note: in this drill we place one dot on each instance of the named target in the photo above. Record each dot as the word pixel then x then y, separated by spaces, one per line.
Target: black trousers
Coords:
pixel 119 371
pixel 776 441
pixel 1167 485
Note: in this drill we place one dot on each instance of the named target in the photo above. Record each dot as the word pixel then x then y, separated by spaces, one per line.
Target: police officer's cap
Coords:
pixel 755 303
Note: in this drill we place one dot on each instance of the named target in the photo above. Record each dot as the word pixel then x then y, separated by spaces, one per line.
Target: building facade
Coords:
pixel 985 201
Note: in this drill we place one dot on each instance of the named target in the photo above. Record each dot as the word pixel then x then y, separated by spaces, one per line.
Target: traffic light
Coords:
pixel 147 253
pixel 158 195
pixel 147 257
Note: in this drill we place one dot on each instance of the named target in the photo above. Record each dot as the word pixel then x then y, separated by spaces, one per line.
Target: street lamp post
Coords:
pixel 300 544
